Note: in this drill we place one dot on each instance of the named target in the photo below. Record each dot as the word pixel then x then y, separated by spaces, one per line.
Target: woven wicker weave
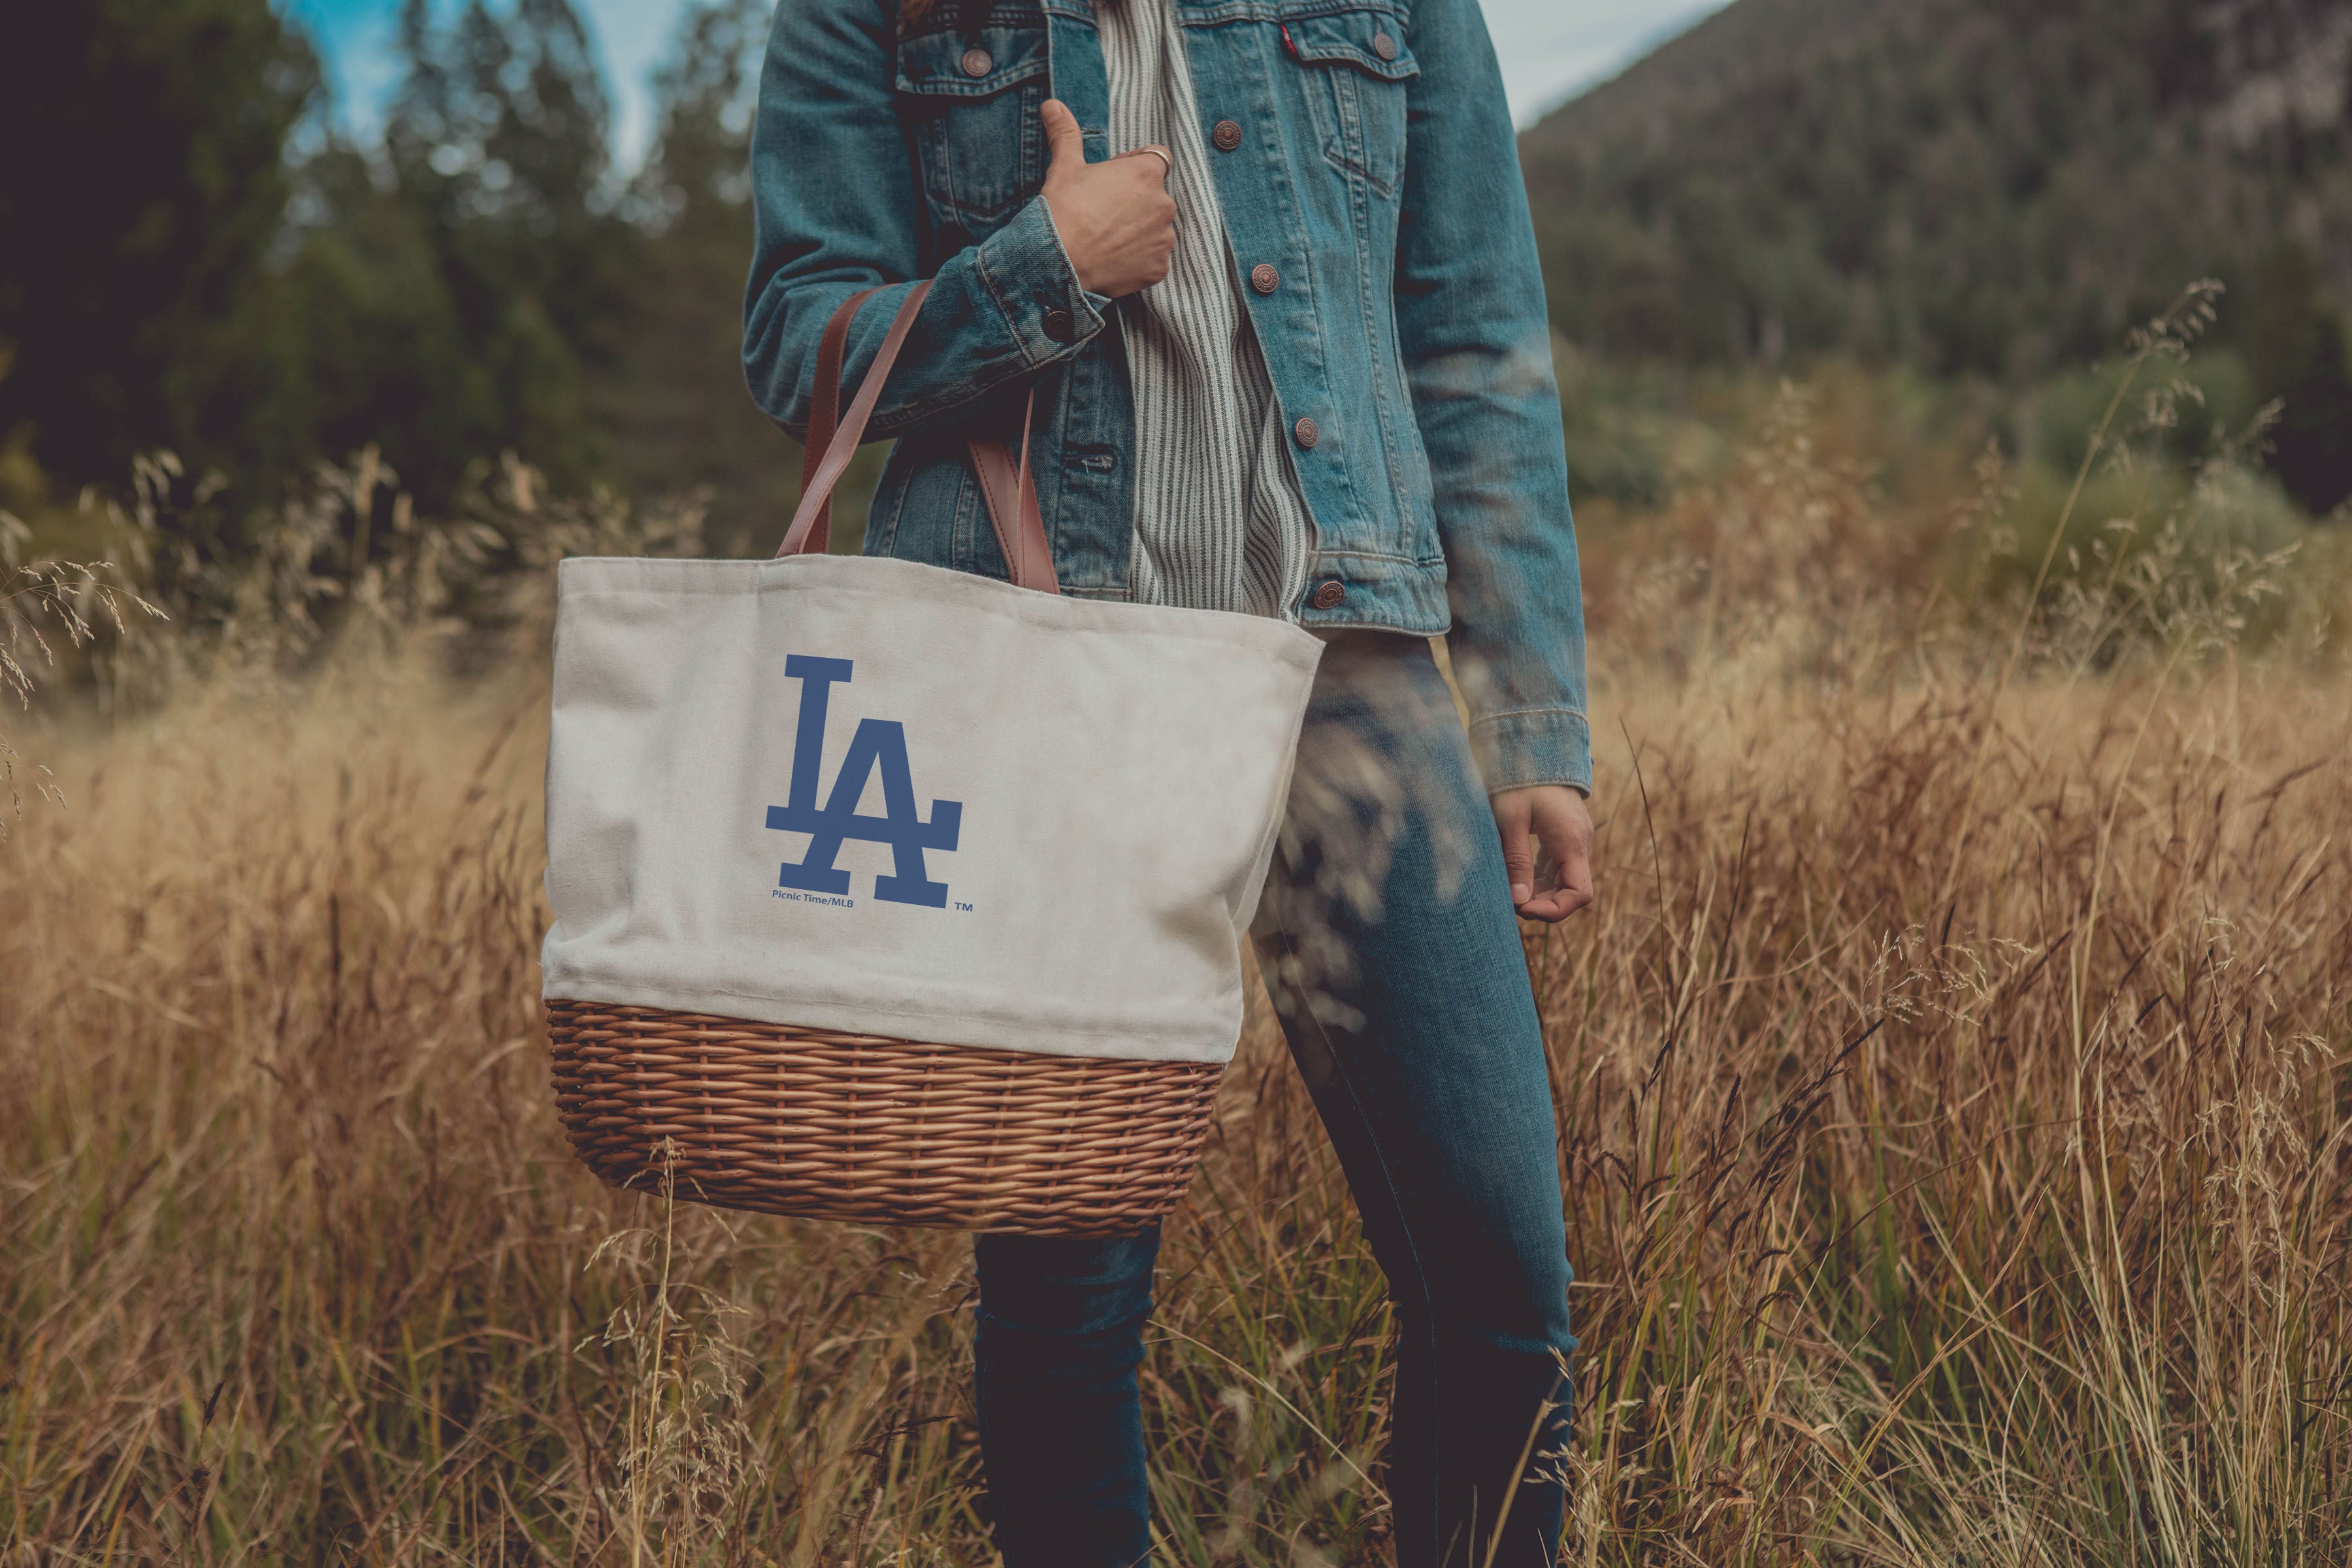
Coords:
pixel 853 1127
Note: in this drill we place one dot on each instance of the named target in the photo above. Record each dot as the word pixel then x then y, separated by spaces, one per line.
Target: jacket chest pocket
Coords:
pixel 1356 66
pixel 970 104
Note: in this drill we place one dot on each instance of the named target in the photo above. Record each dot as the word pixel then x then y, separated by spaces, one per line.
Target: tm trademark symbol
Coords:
pixel 963 906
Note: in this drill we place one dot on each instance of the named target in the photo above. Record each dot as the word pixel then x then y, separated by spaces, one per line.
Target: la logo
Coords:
pixel 878 743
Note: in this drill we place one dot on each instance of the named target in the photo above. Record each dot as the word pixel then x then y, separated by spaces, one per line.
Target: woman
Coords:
pixel 1268 267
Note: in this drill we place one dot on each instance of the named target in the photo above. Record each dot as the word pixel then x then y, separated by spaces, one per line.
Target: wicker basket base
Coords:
pixel 853 1127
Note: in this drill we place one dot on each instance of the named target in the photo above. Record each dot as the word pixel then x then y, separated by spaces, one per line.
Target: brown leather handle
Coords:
pixel 816 488
pixel 824 410
pixel 1011 492
pixel 1006 484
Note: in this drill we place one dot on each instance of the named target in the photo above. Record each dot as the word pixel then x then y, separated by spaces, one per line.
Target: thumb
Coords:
pixel 1064 143
pixel 1518 856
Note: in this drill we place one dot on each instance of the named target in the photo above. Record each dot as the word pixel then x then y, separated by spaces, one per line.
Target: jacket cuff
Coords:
pixel 1533 746
pixel 1028 274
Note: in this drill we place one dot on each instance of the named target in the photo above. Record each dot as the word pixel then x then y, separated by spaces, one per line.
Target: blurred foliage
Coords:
pixel 2214 398
pixel 144 185
pixel 676 407
pixel 2300 356
pixel 478 281
pixel 1931 206
pixel 451 293
pixel 1971 187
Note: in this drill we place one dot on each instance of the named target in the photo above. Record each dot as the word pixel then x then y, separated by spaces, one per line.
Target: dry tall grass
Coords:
pixel 1951 1081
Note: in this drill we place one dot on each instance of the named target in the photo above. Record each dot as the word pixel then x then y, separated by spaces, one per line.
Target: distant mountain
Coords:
pixel 1986 185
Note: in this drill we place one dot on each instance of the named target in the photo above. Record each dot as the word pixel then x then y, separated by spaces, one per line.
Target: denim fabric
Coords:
pixel 1377 175
pixel 1390 945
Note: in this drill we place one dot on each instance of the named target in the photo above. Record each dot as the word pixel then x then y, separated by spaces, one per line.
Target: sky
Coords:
pixel 1549 48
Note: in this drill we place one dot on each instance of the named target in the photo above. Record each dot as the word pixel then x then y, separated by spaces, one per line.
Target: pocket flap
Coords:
pixel 1371 41
pixel 959 65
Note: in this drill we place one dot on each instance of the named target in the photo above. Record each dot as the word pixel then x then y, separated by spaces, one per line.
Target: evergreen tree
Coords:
pixel 675 400
pixel 374 350
pixel 498 145
pixel 144 186
pixel 2298 353
pixel 1994 187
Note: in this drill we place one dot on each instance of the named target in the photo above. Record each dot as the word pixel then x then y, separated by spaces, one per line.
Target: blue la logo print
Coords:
pixel 879 744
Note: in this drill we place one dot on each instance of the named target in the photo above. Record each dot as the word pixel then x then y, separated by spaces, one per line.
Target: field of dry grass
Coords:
pixel 1956 1124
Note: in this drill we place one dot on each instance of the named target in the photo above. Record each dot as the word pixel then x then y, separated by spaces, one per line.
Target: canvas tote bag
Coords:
pixel 893 893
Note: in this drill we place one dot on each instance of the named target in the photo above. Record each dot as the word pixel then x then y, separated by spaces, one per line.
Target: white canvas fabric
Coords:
pixel 1002 819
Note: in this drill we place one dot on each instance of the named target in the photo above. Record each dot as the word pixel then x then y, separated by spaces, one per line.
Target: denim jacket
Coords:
pixel 1370 182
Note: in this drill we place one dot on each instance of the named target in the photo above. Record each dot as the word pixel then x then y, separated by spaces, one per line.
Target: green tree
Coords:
pixel 498 146
pixel 370 346
pixel 169 276
pixel 2297 352
pixel 1992 187
pixel 675 400
pixel 144 186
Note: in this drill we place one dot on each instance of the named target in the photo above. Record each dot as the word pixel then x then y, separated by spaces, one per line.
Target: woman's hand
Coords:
pixel 1557 817
pixel 1116 220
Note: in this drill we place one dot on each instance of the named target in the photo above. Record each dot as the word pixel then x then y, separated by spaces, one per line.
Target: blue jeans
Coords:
pixel 1388 940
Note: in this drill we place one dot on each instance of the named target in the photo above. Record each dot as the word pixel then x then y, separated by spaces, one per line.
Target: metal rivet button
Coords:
pixel 1331 595
pixel 1308 432
pixel 1382 46
pixel 1265 278
pixel 1059 325
pixel 1227 135
pixel 978 62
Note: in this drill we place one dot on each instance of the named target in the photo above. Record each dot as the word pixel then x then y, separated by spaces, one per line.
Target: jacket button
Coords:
pixel 1329 596
pixel 1059 325
pixel 1382 46
pixel 1265 278
pixel 1308 432
pixel 978 62
pixel 1227 135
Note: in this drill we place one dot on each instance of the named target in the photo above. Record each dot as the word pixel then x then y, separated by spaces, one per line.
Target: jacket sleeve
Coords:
pixel 1476 344
pixel 835 210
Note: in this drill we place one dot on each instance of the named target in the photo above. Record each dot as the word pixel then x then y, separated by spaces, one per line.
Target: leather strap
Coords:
pixel 1011 492
pixel 1006 484
pixel 816 490
pixel 824 410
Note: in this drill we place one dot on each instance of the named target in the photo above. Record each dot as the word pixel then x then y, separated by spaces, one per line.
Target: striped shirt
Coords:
pixel 1220 522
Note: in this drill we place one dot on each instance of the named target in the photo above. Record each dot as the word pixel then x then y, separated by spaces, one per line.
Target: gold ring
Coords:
pixel 1168 164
